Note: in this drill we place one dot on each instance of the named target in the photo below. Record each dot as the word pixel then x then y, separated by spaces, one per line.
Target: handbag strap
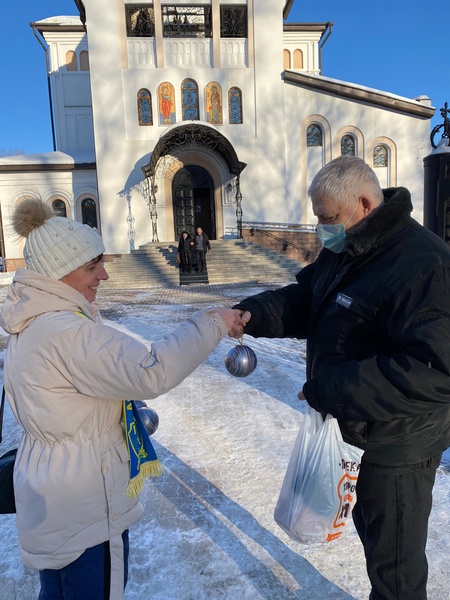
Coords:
pixel 2 408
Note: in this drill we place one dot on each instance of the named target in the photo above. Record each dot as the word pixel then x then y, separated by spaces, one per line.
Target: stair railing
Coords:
pixel 264 228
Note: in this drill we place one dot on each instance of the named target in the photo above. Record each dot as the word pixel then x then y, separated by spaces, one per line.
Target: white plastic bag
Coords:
pixel 318 491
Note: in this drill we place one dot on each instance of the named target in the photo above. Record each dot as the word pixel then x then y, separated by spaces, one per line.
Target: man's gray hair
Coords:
pixel 344 179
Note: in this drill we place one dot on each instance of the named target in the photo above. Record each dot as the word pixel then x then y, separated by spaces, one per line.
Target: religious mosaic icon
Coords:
pixel 166 98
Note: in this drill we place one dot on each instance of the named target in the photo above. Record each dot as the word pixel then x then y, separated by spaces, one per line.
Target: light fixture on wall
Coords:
pixel 229 187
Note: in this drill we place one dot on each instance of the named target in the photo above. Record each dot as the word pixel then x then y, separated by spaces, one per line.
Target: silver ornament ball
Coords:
pixel 149 418
pixel 240 361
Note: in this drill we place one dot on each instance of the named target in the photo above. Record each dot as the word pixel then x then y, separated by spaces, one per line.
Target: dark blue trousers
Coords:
pixel 87 578
pixel 391 516
pixel 201 260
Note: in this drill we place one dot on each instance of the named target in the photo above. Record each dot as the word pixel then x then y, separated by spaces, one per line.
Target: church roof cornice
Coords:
pixel 359 93
pixel 287 8
pixel 322 27
pixel 57 24
pixel 36 168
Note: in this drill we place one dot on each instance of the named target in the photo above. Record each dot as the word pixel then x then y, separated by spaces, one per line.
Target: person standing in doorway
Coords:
pixel 185 247
pixel 202 246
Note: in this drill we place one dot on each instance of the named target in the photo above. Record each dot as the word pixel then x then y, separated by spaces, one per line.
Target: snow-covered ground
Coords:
pixel 208 532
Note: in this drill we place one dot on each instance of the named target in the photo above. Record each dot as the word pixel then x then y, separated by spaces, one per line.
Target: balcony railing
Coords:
pixel 233 52
pixel 187 52
pixel 141 52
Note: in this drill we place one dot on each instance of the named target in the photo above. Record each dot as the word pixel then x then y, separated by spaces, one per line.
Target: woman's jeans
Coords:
pixel 87 578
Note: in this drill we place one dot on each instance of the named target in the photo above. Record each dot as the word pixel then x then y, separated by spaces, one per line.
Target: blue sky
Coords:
pixel 393 45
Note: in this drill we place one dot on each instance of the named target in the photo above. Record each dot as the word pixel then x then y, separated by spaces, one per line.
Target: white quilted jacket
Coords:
pixel 65 377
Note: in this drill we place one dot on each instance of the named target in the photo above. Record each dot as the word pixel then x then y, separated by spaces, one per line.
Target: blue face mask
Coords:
pixel 333 236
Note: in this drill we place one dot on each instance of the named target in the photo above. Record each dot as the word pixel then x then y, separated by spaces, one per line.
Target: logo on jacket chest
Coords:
pixel 344 300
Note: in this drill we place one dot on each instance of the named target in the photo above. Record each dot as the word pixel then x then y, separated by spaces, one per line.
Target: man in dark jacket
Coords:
pixel 185 251
pixel 375 310
pixel 202 246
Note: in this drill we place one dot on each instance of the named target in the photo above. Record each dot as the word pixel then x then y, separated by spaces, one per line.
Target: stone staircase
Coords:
pixel 230 261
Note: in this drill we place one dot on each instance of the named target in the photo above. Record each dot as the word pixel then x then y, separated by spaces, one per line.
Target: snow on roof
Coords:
pixel 424 100
pixel 61 20
pixel 443 146
pixel 50 158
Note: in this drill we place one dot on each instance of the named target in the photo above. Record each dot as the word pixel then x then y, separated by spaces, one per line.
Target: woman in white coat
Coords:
pixel 66 377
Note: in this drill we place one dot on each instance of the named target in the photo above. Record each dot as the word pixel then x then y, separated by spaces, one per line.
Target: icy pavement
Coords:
pixel 208 531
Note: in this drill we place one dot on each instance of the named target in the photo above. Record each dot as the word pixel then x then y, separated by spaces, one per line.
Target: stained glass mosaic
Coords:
pixel 348 146
pixel 314 136
pixel 189 100
pixel 144 100
pixel 235 105
pixel 89 212
pixel 380 156
pixel 214 103
pixel 166 97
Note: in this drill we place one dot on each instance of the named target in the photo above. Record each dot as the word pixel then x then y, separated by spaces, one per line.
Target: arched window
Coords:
pixel 314 136
pixel 189 100
pixel 84 60
pixel 214 103
pixel 71 61
pixel 59 207
pixel 235 106
pixel 286 59
pixel 380 156
pixel 166 98
pixel 298 59
pixel 89 212
pixel 144 102
pixel 348 145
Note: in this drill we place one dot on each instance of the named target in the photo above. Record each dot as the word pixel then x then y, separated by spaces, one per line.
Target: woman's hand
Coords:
pixel 234 319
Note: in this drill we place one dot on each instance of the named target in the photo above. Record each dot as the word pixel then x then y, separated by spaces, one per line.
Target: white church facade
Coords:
pixel 167 117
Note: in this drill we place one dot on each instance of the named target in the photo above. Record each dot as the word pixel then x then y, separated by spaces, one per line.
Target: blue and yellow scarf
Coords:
pixel 143 460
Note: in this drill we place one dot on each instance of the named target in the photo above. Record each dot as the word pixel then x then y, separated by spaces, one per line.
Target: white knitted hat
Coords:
pixel 55 246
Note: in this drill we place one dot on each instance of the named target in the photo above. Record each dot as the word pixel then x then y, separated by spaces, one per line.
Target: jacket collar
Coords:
pixel 32 294
pixel 390 216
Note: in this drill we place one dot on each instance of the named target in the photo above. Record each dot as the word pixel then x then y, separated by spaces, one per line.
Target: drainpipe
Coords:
pixel 49 86
pixel 322 42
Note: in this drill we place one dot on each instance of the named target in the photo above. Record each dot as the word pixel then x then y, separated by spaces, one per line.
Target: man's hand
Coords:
pixel 301 396
pixel 245 317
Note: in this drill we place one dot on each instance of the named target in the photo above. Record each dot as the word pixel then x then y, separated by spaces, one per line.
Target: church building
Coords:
pixel 215 114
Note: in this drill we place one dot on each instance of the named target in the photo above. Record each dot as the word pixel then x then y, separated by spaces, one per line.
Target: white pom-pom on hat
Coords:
pixel 55 246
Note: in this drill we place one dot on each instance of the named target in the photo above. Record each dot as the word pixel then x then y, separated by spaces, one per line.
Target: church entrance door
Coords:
pixel 193 201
